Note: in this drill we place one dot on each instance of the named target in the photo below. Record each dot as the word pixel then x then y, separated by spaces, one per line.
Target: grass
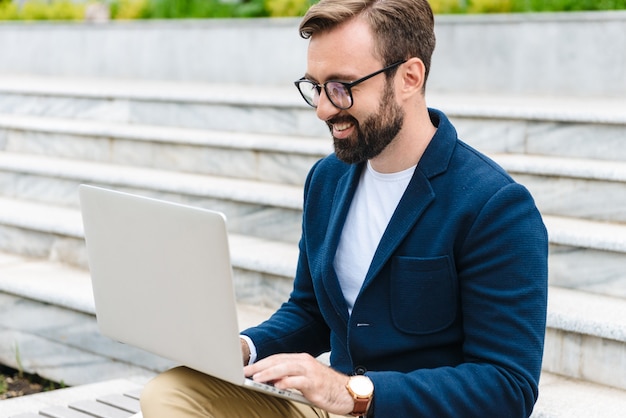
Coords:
pixel 14 383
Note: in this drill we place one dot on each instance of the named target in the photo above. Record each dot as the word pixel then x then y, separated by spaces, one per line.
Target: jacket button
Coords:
pixel 360 370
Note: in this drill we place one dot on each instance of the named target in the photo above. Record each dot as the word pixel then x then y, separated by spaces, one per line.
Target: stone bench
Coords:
pixel 109 406
pixel 118 398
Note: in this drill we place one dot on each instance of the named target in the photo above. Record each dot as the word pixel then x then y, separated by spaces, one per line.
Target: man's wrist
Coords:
pixel 251 350
pixel 245 351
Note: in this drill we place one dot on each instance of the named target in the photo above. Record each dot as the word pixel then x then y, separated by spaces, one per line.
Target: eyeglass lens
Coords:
pixel 337 93
pixel 310 92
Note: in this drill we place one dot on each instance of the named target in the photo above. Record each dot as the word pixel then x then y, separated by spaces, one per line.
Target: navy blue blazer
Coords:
pixel 450 321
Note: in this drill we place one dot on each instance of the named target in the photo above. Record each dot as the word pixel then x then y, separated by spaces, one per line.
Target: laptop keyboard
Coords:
pixel 289 393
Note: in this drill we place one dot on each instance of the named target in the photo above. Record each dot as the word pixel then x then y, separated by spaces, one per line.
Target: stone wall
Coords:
pixel 563 54
pixel 571 54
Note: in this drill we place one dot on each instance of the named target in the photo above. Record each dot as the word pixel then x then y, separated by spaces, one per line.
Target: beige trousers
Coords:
pixel 183 393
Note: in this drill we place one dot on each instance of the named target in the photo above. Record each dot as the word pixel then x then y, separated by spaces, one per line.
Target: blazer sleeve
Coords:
pixel 502 273
pixel 298 325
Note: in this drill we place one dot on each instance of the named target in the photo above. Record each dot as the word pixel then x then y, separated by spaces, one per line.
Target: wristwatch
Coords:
pixel 362 390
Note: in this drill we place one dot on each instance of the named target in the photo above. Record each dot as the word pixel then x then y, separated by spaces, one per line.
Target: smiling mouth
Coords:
pixel 340 128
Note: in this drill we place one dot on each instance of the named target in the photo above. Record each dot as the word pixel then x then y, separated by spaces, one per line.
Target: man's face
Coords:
pixel 371 136
pixel 364 130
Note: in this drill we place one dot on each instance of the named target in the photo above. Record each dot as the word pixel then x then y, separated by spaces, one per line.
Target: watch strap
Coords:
pixel 360 407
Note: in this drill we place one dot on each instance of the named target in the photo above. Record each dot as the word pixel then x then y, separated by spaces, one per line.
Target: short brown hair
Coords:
pixel 404 28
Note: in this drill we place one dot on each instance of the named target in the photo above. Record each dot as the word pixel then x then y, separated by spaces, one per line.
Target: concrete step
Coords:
pixel 262 157
pixel 578 341
pixel 262 209
pixel 539 125
pixel 562 397
pixel 572 187
pixel 76 171
pixel 580 188
pixel 589 127
pixel 587 255
pixel 221 107
pixel 584 254
pixel 586 337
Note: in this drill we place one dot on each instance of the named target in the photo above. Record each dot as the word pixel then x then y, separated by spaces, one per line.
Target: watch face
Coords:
pixel 362 386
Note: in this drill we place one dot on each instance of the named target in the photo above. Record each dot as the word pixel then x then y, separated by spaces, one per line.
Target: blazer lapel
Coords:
pixel 414 201
pixel 343 198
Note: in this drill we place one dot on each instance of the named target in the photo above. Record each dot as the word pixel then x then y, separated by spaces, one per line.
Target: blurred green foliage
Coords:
pixel 180 9
pixel 128 9
pixel 42 10
pixel 521 6
pixel 279 8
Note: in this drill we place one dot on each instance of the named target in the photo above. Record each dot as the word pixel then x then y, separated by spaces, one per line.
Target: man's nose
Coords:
pixel 325 109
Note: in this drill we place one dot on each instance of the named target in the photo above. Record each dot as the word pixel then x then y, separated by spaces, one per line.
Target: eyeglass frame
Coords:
pixel 346 85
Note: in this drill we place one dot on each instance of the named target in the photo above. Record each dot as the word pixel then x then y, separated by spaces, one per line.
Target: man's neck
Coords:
pixel 407 148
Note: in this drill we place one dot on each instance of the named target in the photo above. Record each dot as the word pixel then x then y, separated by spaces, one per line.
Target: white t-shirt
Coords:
pixel 375 201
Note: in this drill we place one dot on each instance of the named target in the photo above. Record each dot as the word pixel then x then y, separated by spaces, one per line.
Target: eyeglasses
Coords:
pixel 338 92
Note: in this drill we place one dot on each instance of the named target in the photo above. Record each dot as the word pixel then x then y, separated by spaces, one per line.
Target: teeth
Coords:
pixel 341 126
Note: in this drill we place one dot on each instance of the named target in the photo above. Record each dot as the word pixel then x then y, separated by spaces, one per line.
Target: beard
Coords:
pixel 373 135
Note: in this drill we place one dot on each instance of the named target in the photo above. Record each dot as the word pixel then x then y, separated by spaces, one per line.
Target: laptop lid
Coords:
pixel 162 279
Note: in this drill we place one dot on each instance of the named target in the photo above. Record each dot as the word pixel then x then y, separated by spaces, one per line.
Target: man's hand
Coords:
pixel 320 384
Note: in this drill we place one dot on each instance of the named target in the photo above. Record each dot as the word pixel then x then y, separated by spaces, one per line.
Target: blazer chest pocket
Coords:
pixel 423 294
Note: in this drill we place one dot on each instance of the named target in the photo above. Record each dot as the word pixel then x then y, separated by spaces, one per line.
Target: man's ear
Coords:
pixel 413 77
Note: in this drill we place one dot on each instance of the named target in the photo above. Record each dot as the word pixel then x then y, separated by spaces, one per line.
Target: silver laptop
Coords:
pixel 162 281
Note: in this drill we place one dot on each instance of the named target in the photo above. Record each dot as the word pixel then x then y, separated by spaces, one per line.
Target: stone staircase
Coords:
pixel 245 150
